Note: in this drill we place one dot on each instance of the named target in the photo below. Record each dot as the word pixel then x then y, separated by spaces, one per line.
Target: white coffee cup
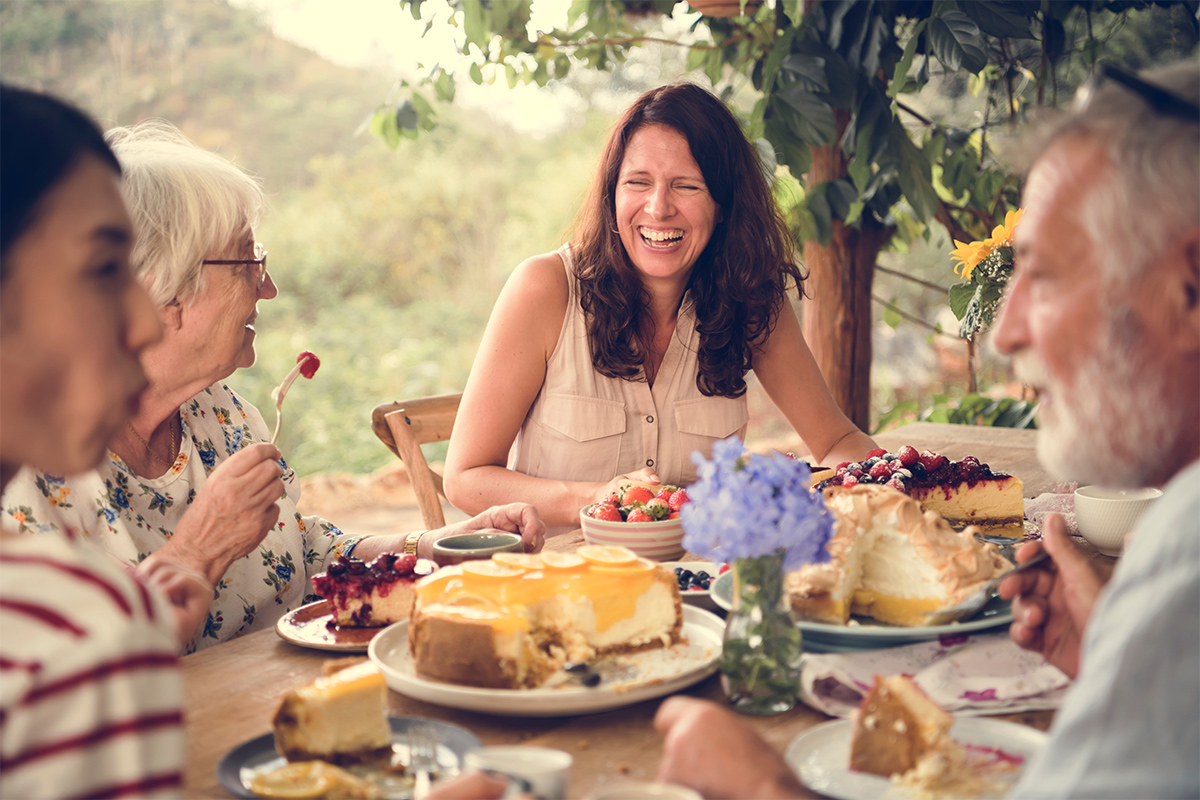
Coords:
pixel 545 769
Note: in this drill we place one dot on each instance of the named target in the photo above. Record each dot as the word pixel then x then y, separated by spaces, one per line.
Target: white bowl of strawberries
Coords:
pixel 641 516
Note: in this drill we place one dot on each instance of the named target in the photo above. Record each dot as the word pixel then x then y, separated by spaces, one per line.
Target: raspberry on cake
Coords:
pixel 368 595
pixel 890 560
pixel 512 623
pixel 340 719
pixel 966 491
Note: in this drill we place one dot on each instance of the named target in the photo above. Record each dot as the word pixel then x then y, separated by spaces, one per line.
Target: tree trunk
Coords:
pixel 837 314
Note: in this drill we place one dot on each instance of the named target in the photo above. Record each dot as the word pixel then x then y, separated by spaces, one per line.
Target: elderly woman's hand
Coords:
pixel 519 518
pixel 231 514
pixel 189 594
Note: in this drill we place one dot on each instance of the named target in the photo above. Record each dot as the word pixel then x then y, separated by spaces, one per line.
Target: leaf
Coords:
pixel 914 174
pixel 792 9
pixel 782 46
pixel 891 317
pixel 474 27
pixel 956 42
pixel 788 150
pixel 1000 19
pixel 444 86
pixel 696 58
pixel 823 71
pixel 406 116
pixel 822 215
pixel 807 116
pixel 840 194
pixel 476 74
pixel 960 296
pixel 714 66
pixel 902 68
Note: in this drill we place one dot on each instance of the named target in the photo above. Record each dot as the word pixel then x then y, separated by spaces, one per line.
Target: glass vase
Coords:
pixel 760 662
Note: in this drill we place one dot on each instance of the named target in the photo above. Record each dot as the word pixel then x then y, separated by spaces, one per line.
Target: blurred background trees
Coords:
pixel 389 261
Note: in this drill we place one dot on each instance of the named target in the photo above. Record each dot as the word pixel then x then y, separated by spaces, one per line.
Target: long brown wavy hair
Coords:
pixel 739 282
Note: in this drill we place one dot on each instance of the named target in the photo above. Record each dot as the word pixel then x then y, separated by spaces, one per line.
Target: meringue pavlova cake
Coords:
pixel 891 560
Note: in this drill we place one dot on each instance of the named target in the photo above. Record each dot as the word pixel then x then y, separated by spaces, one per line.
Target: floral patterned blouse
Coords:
pixel 131 516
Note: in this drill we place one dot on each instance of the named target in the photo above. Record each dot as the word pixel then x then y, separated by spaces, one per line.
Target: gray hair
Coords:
pixel 187 204
pixel 1154 196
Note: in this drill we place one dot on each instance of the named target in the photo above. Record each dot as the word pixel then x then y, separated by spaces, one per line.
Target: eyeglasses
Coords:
pixel 259 260
pixel 1159 99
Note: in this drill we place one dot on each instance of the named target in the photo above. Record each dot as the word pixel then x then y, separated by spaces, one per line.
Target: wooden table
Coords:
pixel 232 690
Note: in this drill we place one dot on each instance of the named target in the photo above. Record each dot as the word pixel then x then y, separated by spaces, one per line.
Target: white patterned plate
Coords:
pixel 641 676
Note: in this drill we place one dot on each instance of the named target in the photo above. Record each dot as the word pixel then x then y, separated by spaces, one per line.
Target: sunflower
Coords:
pixel 970 254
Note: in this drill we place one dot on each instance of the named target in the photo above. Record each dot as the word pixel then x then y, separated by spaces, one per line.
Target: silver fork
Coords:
pixel 422 751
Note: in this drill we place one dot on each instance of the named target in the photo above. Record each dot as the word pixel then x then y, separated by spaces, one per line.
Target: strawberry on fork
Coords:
pixel 306 365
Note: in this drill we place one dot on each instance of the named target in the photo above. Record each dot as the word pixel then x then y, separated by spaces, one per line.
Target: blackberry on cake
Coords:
pixel 966 491
pixel 371 594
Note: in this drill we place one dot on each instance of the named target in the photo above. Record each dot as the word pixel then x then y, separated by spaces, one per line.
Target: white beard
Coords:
pixel 1111 426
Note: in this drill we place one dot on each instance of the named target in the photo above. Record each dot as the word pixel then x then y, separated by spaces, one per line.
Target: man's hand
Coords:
pixel 709 749
pixel 519 518
pixel 232 513
pixel 188 593
pixel 1051 608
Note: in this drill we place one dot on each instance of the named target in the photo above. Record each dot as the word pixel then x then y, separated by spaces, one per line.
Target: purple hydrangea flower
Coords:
pixel 751 505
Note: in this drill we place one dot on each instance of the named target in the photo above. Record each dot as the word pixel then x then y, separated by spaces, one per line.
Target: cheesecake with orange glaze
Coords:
pixel 890 560
pixel 515 620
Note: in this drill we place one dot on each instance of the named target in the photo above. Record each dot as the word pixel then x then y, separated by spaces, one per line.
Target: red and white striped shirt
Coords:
pixel 91 699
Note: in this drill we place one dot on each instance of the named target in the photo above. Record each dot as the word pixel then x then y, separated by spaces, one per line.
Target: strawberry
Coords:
pixel 639 515
pixel 636 494
pixel 849 480
pixel 931 461
pixel 678 499
pixel 665 493
pixel 908 455
pixel 405 565
pixel 878 452
pixel 842 466
pixel 658 508
pixel 881 470
pixel 606 512
pixel 673 515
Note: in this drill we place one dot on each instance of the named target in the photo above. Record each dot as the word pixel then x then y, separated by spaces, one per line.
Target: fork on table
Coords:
pixel 422 753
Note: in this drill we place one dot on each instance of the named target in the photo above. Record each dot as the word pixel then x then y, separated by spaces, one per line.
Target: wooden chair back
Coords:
pixel 406 425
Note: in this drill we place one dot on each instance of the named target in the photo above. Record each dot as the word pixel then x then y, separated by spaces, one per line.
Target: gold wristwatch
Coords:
pixel 411 541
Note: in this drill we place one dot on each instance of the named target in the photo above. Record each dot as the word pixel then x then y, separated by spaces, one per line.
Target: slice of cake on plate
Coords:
pixel 367 595
pixel 966 491
pixel 891 560
pixel 340 719
pixel 901 734
pixel 513 621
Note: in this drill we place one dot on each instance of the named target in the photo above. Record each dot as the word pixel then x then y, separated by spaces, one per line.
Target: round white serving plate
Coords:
pixel 820 756
pixel 643 676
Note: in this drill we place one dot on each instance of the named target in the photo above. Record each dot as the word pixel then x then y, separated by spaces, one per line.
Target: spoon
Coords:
pixel 977 599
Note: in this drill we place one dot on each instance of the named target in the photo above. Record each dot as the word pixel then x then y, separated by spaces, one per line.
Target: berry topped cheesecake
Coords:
pixel 966 491
pixel 368 595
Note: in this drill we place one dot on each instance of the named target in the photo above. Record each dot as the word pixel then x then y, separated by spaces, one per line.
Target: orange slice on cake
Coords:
pixel 608 555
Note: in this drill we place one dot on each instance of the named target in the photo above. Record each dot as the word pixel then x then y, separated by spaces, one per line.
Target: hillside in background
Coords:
pixel 388 263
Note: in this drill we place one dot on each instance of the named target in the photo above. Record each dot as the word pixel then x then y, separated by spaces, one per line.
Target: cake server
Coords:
pixel 978 599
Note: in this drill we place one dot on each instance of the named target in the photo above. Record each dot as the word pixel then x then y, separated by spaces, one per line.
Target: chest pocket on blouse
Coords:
pixel 705 420
pixel 588 431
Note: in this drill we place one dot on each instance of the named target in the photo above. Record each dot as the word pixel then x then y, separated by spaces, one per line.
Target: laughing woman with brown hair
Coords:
pixel 620 354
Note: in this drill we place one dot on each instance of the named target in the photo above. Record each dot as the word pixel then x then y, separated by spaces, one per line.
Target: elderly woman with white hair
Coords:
pixel 193 476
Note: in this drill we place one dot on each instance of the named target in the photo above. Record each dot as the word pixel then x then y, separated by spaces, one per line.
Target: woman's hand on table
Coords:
pixel 708 748
pixel 520 518
pixel 232 513
pixel 188 592
pixel 472 786
pixel 1051 607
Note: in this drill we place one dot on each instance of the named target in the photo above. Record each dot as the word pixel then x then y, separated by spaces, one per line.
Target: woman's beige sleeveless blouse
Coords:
pixel 584 426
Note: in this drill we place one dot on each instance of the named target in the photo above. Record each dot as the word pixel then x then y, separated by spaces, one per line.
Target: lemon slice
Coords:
pixel 568 561
pixel 490 569
pixel 606 554
pixel 637 566
pixel 296 780
pixel 525 561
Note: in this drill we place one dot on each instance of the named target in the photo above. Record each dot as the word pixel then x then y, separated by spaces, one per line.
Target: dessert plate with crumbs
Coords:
pixel 625 680
pixel 238 769
pixel 997 752
pixel 310 626
pixel 864 633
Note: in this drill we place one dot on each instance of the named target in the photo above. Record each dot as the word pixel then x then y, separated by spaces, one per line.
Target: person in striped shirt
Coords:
pixel 91 701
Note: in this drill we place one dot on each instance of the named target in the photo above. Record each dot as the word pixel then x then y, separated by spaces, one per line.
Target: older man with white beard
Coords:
pixel 1103 317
